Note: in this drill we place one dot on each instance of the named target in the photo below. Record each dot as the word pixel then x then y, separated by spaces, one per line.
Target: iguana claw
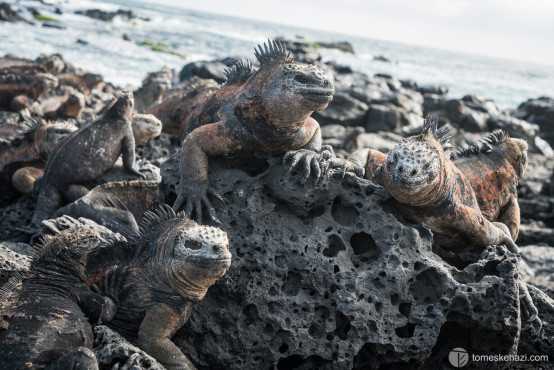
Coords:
pixel 347 166
pixel 311 162
pixel 197 199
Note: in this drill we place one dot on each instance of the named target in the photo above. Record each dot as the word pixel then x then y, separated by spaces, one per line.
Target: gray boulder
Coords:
pixel 331 276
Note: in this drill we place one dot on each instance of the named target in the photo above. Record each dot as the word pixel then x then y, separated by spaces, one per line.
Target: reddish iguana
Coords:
pixel 37 140
pixel 427 187
pixel 267 110
pixel 175 109
pixel 494 170
pixel 170 266
pixel 85 155
pixel 46 321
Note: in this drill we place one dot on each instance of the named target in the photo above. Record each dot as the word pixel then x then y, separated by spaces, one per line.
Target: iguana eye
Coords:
pixel 194 245
pixel 302 79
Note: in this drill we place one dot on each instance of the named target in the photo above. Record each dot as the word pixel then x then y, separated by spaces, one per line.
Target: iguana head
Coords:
pixel 186 257
pixel 74 104
pixel 145 127
pixel 121 107
pixel 414 168
pixel 290 88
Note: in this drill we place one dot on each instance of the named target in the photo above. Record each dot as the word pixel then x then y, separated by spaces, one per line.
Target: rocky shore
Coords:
pixel 343 281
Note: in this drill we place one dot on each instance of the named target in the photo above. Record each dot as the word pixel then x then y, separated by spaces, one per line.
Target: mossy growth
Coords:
pixel 44 18
pixel 160 47
pixel 382 58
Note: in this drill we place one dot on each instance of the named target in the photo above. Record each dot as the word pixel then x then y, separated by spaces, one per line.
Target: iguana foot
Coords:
pixel 194 198
pixel 310 161
pixel 507 240
pixel 135 171
pixel 133 362
pixel 346 166
pixel 529 313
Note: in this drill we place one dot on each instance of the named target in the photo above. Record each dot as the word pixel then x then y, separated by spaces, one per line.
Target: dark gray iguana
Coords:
pixel 170 266
pixel 47 321
pixel 119 205
pixel 267 110
pixel 85 155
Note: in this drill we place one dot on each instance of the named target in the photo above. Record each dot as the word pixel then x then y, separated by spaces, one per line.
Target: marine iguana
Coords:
pixel 47 322
pixel 145 127
pixel 427 187
pixel 267 110
pixel 36 141
pixel 119 206
pixel 494 169
pixel 176 107
pixel 70 108
pixel 152 89
pixel 18 91
pixel 171 264
pixel 84 155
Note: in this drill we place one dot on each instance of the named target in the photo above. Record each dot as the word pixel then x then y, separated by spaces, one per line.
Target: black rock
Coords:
pixel 7 14
pixel 341 282
pixel 204 69
pixel 107 16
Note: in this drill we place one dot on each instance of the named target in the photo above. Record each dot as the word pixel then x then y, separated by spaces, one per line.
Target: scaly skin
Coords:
pixel 152 89
pixel 171 264
pixel 119 206
pixel 177 106
pixel 38 139
pixel 494 170
pixel 427 187
pixel 85 155
pixel 145 127
pixel 267 110
pixel 48 321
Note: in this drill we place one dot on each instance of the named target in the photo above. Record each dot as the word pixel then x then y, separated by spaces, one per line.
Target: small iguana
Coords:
pixel 152 89
pixel 267 110
pixel 119 206
pixel 36 141
pixel 47 321
pixel 85 155
pixel 70 108
pixel 170 265
pixel 18 91
pixel 494 170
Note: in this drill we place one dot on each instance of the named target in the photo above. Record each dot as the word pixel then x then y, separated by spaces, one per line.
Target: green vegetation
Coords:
pixel 159 46
pixel 40 17
pixel 382 58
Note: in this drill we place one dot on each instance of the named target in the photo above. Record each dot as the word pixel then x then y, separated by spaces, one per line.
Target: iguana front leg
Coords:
pixel 312 157
pixel 154 336
pixel 510 216
pixel 128 154
pixel 208 140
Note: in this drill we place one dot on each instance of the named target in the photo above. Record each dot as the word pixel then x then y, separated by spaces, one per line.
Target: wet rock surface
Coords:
pixel 343 282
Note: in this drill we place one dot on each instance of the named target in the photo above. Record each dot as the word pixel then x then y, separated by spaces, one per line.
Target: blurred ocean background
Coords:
pixel 100 47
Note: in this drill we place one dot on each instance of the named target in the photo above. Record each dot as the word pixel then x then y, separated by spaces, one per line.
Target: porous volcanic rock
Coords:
pixel 332 277
pixel 111 348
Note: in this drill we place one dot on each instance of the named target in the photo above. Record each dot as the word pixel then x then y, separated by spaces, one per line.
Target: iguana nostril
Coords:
pixel 414 171
pixel 401 168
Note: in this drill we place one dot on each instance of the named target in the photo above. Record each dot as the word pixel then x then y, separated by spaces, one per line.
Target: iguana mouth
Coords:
pixel 211 262
pixel 318 94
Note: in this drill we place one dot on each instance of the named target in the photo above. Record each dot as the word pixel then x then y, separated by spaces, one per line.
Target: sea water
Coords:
pixel 99 47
